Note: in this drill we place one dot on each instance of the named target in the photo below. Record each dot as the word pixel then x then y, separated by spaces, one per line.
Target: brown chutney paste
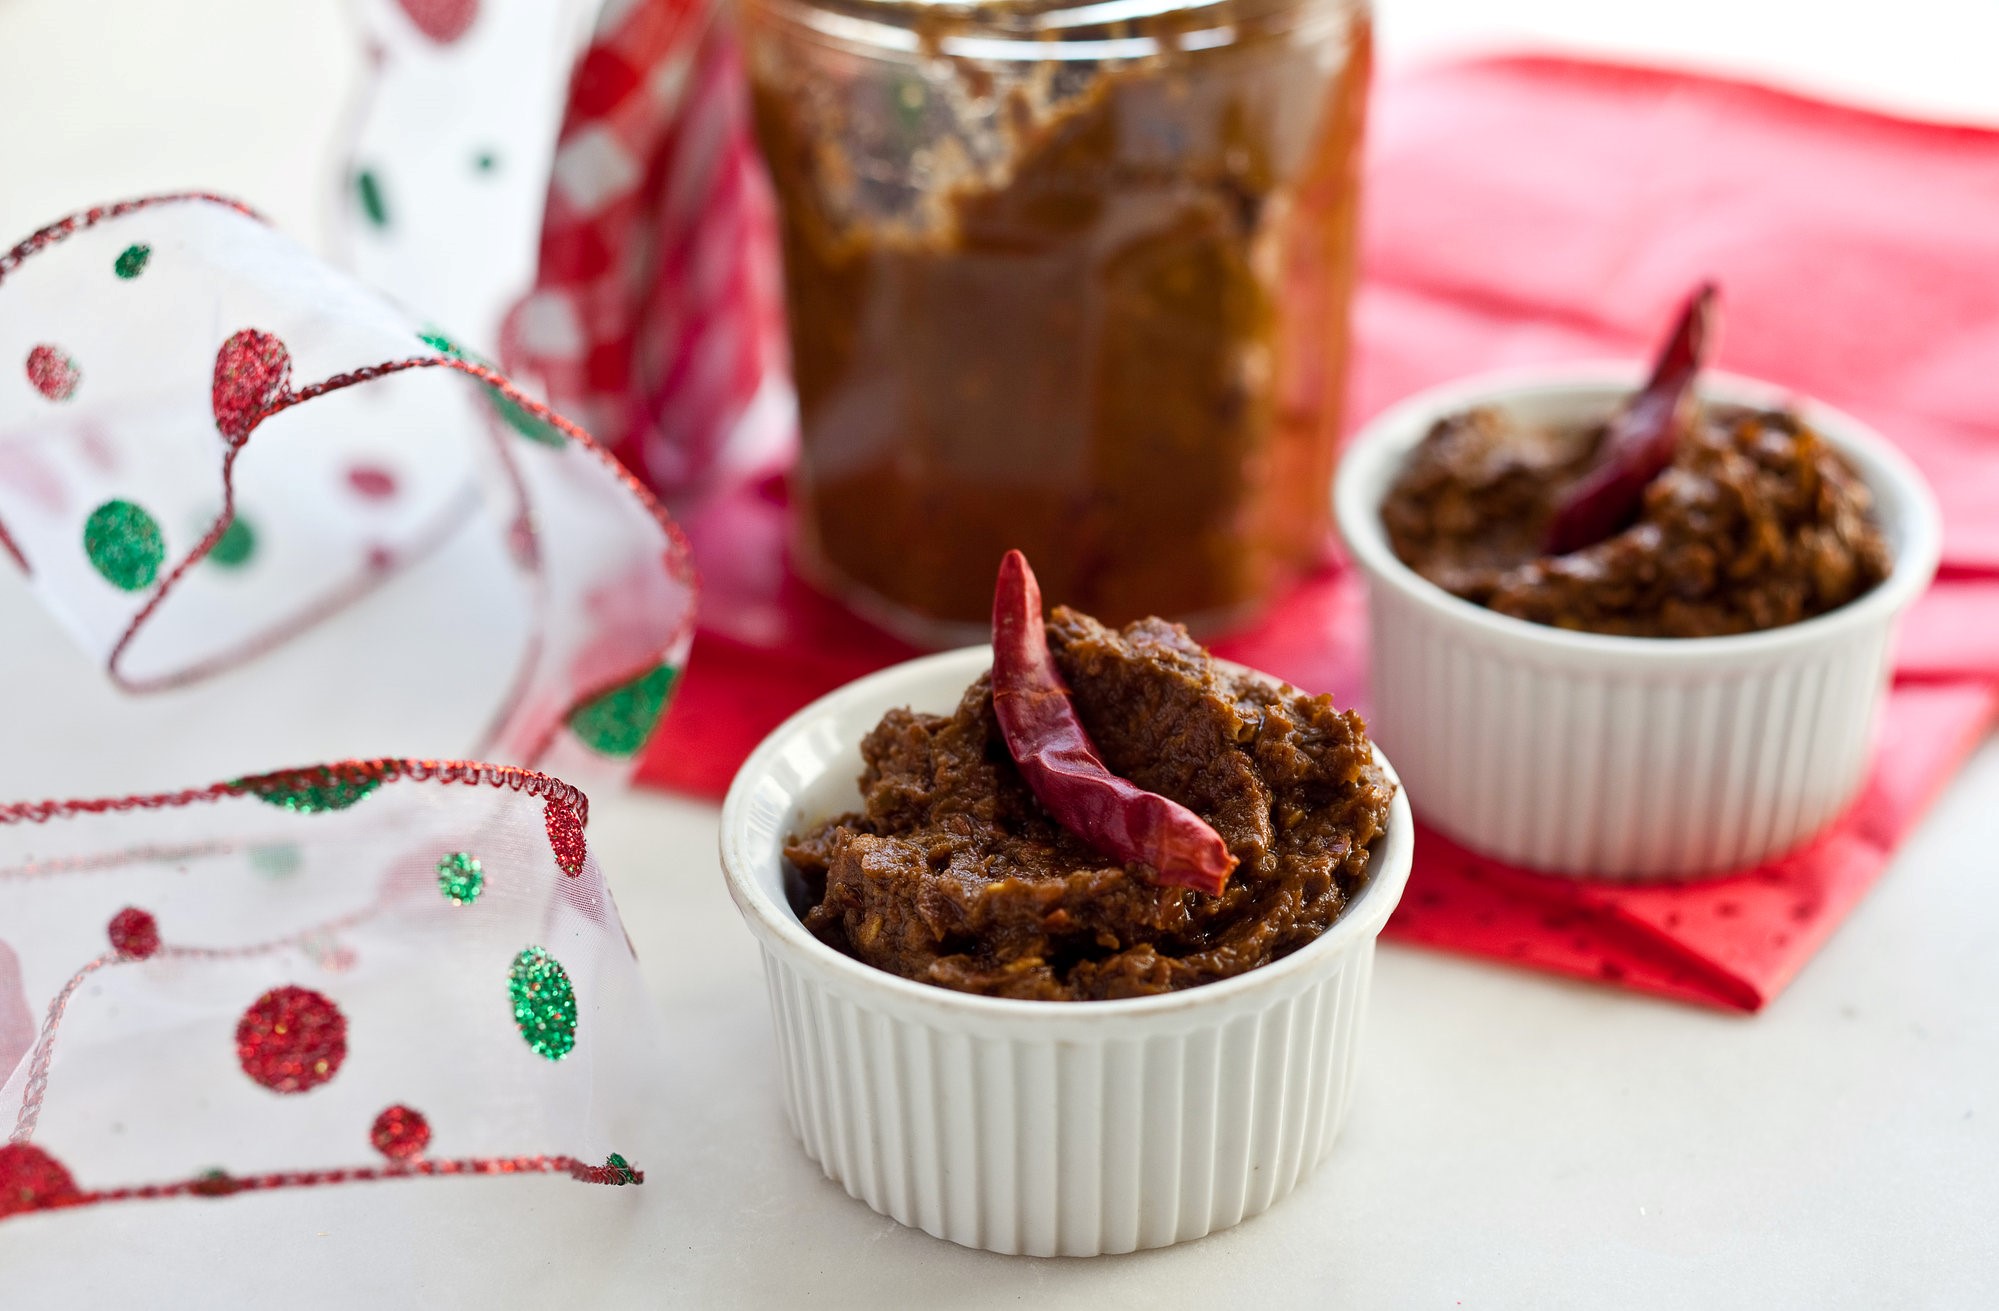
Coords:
pixel 1095 311
pixel 1758 522
pixel 953 874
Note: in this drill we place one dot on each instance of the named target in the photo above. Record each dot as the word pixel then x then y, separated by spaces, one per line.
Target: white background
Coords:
pixel 1516 1140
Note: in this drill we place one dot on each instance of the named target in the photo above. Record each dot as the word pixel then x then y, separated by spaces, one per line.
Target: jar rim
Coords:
pixel 1016 30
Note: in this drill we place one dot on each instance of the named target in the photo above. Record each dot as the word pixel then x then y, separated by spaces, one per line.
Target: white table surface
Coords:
pixel 1516 1140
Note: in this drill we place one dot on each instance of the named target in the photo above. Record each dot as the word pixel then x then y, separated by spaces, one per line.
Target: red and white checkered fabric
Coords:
pixel 656 318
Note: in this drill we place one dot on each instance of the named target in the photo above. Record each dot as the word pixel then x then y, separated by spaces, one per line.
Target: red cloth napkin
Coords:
pixel 1533 210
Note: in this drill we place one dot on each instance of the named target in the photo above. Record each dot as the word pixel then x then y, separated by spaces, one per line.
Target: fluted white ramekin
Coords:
pixel 1039 1128
pixel 1618 756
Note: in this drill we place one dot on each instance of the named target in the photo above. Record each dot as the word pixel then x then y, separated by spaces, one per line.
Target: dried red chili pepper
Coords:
pixel 1061 765
pixel 1641 439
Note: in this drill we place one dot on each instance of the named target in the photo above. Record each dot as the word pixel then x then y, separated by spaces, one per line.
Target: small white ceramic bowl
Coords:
pixel 1625 757
pixel 1040 1128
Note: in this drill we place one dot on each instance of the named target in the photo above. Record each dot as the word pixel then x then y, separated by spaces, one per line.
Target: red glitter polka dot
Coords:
pixel 252 371
pixel 443 21
pixel 291 1039
pixel 400 1133
pixel 522 543
pixel 53 373
pixel 134 933
pixel 32 1180
pixel 371 482
pixel 565 836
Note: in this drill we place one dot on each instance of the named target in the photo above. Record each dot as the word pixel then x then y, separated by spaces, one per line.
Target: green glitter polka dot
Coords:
pixel 511 412
pixel 485 161
pixel 237 544
pixel 544 1003
pixel 619 722
pixel 368 189
pixel 314 791
pixel 131 261
pixel 460 878
pixel 525 421
pixel 124 544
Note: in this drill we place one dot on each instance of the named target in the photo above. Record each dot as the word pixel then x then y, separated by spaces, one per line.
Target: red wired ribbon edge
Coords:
pixel 31 1180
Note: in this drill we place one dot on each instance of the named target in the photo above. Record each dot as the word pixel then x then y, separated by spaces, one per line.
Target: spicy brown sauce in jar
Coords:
pixel 1072 280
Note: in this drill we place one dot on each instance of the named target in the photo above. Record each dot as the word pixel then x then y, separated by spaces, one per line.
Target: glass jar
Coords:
pixel 1068 278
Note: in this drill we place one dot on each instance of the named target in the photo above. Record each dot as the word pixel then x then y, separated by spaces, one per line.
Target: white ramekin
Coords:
pixel 1617 756
pixel 1039 1128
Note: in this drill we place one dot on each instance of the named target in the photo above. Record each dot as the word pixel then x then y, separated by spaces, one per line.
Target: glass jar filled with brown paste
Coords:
pixel 1068 278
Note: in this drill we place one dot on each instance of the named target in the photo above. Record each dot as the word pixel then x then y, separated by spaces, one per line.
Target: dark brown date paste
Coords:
pixel 953 874
pixel 1757 523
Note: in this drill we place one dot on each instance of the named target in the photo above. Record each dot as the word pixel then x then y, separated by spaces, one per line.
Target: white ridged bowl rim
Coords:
pixel 1376 454
pixel 750 844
